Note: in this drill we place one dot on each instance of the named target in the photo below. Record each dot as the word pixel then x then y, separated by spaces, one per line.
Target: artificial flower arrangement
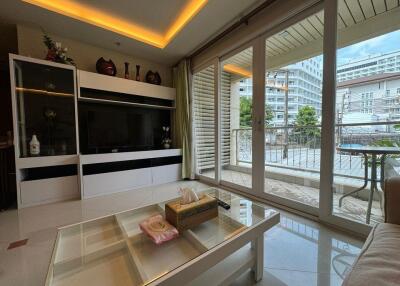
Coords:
pixel 55 52
pixel 166 140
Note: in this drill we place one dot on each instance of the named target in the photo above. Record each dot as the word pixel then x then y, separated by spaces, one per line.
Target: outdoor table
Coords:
pixel 374 152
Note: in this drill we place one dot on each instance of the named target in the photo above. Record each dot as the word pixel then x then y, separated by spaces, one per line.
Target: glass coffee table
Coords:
pixel 112 250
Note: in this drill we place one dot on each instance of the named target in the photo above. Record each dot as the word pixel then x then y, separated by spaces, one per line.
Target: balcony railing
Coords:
pixel 299 148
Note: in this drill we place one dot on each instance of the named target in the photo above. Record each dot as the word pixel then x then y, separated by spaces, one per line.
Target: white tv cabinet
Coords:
pixel 146 173
pixel 58 177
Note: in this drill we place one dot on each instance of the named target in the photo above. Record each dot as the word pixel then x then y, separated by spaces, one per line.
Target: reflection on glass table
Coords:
pixel 114 251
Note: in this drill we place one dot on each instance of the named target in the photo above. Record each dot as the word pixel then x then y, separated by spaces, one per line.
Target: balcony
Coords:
pixel 292 164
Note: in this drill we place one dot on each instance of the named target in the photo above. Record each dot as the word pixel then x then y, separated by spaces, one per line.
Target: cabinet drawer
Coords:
pixel 49 190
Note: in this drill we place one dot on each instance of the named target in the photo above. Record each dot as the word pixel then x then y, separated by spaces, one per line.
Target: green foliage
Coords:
pixel 269 114
pixel 48 42
pixel 246 107
pixel 307 116
pixel 385 143
pixel 245 111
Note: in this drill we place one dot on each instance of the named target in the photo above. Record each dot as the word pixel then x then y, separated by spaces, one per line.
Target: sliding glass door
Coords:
pixel 293 100
pixel 236 117
pixel 367 106
pixel 277 117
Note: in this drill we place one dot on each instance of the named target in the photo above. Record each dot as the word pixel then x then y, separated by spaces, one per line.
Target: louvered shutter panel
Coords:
pixel 204 122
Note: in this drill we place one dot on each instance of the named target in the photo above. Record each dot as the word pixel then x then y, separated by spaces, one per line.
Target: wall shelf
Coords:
pixel 120 85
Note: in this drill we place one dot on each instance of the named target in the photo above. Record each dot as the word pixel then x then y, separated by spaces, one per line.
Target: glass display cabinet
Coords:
pixel 45 108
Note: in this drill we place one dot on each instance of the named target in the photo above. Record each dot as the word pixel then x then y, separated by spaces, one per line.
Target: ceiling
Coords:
pixel 304 39
pixel 159 19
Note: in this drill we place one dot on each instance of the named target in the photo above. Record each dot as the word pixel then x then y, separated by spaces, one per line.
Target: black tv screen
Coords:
pixel 105 128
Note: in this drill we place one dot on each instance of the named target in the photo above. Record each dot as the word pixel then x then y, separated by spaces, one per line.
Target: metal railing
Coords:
pixel 299 147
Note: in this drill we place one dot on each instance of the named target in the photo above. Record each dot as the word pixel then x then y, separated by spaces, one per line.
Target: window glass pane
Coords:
pixel 236 118
pixel 367 99
pixel 293 111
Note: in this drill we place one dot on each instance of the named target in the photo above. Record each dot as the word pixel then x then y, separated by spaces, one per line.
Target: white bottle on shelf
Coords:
pixel 34 146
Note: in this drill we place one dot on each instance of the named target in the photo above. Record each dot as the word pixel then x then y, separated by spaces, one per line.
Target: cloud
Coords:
pixel 379 45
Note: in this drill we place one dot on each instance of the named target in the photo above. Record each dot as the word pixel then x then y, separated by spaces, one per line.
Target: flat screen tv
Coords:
pixel 110 128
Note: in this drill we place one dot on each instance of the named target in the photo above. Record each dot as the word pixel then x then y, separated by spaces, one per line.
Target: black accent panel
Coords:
pixel 155 162
pixel 99 168
pixel 30 174
pixel 101 94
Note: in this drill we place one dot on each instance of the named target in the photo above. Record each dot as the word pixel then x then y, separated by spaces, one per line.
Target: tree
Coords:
pixel 269 114
pixel 305 119
pixel 246 107
pixel 245 111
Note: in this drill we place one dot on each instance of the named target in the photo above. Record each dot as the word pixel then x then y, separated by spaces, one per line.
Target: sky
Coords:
pixel 380 45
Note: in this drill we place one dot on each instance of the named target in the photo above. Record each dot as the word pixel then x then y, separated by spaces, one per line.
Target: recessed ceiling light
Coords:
pixel 284 34
pixel 97 18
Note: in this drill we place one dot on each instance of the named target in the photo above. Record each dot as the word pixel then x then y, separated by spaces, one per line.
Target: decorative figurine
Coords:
pixel 138 72
pixel 126 70
pixel 106 67
pixel 34 146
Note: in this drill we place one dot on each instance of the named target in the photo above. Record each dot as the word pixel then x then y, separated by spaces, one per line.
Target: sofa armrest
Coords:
pixel 392 200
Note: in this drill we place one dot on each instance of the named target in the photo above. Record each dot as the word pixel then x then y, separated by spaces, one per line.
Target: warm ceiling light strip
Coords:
pixel 89 15
pixel 184 17
pixel 43 92
pixel 237 70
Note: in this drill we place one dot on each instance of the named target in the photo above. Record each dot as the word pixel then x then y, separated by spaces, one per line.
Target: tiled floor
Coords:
pixel 297 252
pixel 353 208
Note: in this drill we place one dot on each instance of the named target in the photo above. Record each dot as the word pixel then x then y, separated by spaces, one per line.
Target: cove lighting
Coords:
pixel 97 18
pixel 237 70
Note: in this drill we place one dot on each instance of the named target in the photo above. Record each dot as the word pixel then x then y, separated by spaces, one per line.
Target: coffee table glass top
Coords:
pixel 113 250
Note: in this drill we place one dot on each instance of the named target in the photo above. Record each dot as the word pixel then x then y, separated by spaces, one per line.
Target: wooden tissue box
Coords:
pixel 187 216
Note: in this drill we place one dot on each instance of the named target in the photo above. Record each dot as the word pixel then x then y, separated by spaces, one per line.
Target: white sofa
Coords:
pixel 379 261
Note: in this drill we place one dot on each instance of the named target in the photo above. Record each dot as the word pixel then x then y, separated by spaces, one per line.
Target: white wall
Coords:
pixel 30 43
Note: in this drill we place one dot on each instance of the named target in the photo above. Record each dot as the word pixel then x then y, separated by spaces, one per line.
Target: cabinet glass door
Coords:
pixel 45 109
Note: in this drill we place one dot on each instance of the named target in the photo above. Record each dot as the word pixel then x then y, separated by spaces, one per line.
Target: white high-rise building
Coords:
pixel 305 87
pixel 369 86
pixel 386 63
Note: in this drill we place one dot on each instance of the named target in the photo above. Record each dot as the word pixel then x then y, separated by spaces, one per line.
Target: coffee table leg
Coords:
pixel 258 246
pixel 373 186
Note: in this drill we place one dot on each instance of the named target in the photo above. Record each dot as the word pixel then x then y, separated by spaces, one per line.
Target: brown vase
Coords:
pixel 127 70
pixel 106 67
pixel 51 55
pixel 138 72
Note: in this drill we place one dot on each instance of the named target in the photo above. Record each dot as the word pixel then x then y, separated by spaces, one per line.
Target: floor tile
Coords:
pixel 297 250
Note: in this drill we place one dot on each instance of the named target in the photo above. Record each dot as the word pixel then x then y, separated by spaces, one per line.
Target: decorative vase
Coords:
pixel 106 67
pixel 167 145
pixel 51 55
pixel 34 146
pixel 138 72
pixel 153 78
pixel 127 70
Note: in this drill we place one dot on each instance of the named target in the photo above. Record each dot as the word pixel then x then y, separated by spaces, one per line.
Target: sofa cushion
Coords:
pixel 379 260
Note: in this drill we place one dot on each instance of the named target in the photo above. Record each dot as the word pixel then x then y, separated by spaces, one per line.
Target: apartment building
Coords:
pixel 304 82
